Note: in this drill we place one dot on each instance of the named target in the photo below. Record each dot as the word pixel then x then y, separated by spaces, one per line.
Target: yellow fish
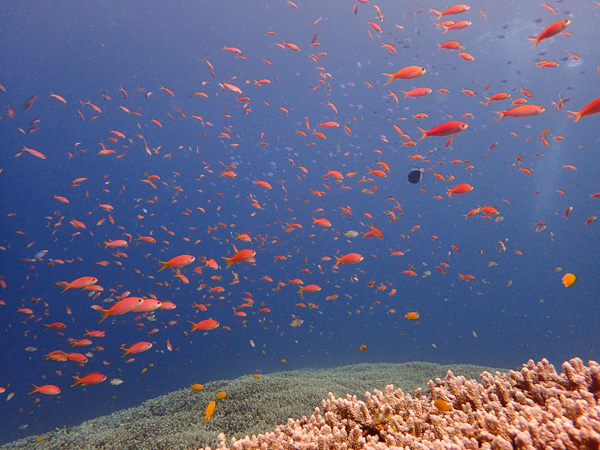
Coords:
pixel 569 279
pixel 197 387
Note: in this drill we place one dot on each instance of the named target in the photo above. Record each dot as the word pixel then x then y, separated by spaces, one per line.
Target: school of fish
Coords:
pixel 166 254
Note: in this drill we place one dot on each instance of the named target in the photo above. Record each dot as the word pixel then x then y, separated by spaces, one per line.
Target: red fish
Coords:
pixel 241 256
pixel 124 306
pixel 137 348
pixel 204 325
pixel 417 92
pixel 177 262
pixel 460 189
pixel 456 9
pixel 551 30
pixel 90 378
pixel 592 107
pixel 408 73
pixel 521 111
pixel 47 389
pixel 309 288
pixel 350 258
pixel 444 129
pixel 79 283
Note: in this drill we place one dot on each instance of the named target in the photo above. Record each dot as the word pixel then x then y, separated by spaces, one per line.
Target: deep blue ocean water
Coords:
pixel 509 313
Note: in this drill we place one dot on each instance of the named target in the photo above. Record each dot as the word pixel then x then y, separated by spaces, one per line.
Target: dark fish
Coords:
pixel 415 176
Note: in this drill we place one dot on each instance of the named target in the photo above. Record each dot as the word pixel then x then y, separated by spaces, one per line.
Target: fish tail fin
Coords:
pixel 449 193
pixel 105 312
pixel 76 382
pixel 405 95
pixel 64 284
pixel 424 133
pixel 35 389
pixel 502 114
pixel 391 75
pixel 165 265
pixel 337 262
pixel 193 326
pixel 436 12
pixel 228 261
pixel 576 114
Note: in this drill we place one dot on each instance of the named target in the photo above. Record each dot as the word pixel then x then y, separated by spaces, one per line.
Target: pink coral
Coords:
pixel 532 408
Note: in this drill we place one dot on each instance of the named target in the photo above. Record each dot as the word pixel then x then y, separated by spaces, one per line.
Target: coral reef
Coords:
pixel 175 420
pixel 532 408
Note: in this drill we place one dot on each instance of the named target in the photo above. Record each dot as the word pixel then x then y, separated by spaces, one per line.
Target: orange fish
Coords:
pixel 209 410
pixel 90 378
pixel 79 283
pixel 444 129
pixel 241 256
pixel 521 111
pixel 350 258
pixel 147 239
pixel 116 243
pixel 466 277
pixel 263 184
pixel 137 348
pixel 407 73
pixel 462 188
pixel 124 306
pixel 47 389
pixel 177 262
pixel 551 30
pixel 412 316
pixel 417 92
pixel 592 107
pixel 442 406
pixel 309 288
pixel 204 325
pixel 322 221
pixel 212 264
pixel 456 9
pixel 375 232
pixel 77 357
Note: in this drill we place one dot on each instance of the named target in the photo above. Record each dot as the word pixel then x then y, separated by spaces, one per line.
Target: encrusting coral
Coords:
pixel 532 408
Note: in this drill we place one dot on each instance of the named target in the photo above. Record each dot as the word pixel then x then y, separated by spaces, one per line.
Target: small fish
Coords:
pixel 442 406
pixel 569 279
pixel 415 176
pixel 209 410
pixel 116 381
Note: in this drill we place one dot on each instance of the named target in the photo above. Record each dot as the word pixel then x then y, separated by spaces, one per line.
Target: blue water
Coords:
pixel 509 313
